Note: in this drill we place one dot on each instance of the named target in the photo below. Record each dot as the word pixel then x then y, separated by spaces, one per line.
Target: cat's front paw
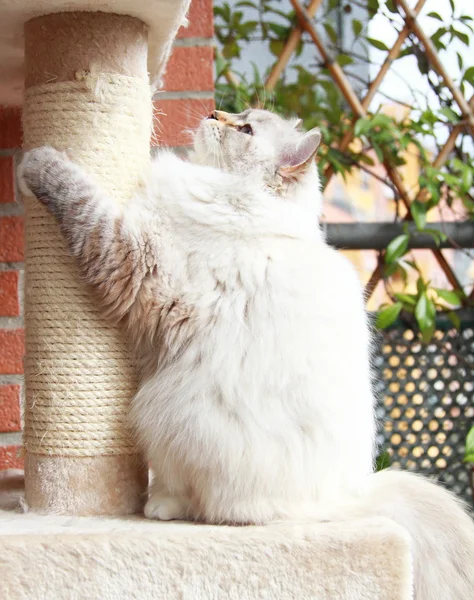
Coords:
pixel 166 508
pixel 35 169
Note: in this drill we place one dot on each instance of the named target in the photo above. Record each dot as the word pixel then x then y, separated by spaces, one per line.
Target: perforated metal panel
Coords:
pixel 426 403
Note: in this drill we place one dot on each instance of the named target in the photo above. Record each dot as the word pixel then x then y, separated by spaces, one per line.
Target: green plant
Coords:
pixel 382 461
pixel 311 94
pixel 469 452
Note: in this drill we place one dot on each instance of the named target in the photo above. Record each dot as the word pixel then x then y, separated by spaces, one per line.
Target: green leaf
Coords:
pixel 388 315
pixel 412 264
pixel 378 151
pixel 223 11
pixel 449 296
pixel 356 27
pixel 467 177
pixel 331 32
pixel 435 15
pixel 454 318
pixel 449 114
pixel 418 212
pixel 407 298
pixel 343 60
pixel 276 46
pixel 469 454
pixel 425 312
pixel 373 6
pixel 377 44
pixel 397 248
pixel 366 159
pixel 390 270
pixel 382 461
pixel 362 126
pixel 391 6
pixel 221 64
pixel 280 30
pixel 469 75
pixel 461 36
pixel 420 285
pixel 231 49
pixel 438 236
pixel 247 3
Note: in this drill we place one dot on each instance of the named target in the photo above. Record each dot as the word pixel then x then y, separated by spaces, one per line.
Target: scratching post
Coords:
pixel 86 92
pixel 85 77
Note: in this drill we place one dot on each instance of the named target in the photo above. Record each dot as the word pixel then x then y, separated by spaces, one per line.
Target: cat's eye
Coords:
pixel 245 129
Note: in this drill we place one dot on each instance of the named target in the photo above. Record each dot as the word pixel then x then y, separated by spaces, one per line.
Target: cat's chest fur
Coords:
pixel 249 313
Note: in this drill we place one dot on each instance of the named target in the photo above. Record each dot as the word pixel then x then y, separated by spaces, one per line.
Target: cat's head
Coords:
pixel 258 144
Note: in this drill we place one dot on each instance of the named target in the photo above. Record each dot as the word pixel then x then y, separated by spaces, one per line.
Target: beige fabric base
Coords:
pixel 62 558
pixel 86 485
pixel 163 17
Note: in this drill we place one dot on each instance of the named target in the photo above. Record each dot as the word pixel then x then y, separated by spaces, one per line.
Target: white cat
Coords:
pixel 251 338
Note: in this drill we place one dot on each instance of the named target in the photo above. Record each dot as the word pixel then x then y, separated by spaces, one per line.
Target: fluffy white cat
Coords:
pixel 251 338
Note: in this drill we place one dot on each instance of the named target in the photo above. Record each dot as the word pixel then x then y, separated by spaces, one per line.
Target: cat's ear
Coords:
pixel 295 159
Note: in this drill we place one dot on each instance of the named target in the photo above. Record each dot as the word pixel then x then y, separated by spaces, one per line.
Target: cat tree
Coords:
pixel 87 91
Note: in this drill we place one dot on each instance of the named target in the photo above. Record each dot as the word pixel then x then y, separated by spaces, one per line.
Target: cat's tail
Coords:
pixel 442 532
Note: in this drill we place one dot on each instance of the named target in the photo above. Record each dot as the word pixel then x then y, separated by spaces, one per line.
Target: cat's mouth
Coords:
pixel 207 142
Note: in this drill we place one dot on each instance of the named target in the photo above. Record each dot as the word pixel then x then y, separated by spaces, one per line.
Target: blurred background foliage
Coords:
pixel 412 126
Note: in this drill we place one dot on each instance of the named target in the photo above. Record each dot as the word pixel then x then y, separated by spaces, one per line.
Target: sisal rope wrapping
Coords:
pixel 79 380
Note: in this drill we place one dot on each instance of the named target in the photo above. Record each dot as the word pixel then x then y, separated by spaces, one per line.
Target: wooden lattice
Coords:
pixel 360 107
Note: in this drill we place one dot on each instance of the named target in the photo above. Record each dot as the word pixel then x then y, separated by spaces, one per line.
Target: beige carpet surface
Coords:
pixel 163 17
pixel 61 558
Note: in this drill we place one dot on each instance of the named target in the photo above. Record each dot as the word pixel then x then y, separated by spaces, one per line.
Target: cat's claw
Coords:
pixel 166 508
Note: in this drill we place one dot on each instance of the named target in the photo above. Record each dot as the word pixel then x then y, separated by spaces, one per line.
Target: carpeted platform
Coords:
pixel 63 558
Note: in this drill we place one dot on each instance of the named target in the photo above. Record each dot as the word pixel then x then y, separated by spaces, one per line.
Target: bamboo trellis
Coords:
pixel 304 24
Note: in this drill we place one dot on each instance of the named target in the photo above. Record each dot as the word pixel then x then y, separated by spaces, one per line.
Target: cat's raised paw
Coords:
pixel 35 164
pixel 166 508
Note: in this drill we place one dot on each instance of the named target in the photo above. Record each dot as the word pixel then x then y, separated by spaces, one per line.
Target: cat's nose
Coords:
pixel 213 115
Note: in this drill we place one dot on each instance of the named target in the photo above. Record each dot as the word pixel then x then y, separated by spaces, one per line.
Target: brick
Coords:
pixel 7 193
pixel 10 408
pixel 179 116
pixel 201 22
pixel 190 69
pixel 12 350
pixel 9 301
pixel 12 239
pixel 10 127
pixel 10 457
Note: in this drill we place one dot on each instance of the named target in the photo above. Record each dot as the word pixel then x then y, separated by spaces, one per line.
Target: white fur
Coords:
pixel 267 411
pixel 259 405
pixel 242 410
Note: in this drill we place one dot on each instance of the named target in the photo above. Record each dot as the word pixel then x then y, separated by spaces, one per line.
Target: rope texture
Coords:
pixel 79 379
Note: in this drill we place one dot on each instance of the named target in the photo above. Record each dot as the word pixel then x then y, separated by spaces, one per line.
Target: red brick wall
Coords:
pixel 11 278
pixel 186 97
